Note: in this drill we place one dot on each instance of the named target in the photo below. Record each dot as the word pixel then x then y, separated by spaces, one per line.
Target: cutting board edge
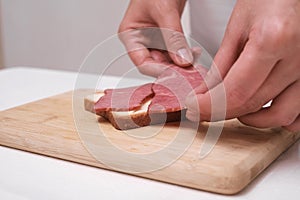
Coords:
pixel 228 191
pixel 267 164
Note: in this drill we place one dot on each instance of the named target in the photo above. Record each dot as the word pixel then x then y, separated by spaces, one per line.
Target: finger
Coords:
pixel 193 110
pixel 245 77
pixel 133 41
pixel 159 56
pixel 145 63
pixel 283 111
pixel 148 62
pixel 279 79
pixel 174 39
pixel 159 62
pixel 206 107
pixel 140 56
pixel 241 82
pixel 295 126
pixel 153 69
pixel 151 63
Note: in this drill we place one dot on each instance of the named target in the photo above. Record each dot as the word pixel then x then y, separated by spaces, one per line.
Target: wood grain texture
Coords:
pixel 50 127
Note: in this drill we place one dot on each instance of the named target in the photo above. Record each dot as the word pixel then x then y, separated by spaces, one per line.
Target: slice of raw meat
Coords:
pixel 166 97
pixel 124 99
pixel 172 87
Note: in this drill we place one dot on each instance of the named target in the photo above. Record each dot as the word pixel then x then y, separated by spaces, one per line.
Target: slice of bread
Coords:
pixel 123 120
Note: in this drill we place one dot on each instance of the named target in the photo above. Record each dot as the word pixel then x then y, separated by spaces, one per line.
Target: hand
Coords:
pixel 258 61
pixel 138 41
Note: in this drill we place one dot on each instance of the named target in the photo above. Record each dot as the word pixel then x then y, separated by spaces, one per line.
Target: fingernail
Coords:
pixel 191 100
pixel 185 55
pixel 191 104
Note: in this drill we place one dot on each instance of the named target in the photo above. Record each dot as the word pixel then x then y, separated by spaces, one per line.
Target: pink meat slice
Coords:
pixel 168 92
pixel 172 87
pixel 124 99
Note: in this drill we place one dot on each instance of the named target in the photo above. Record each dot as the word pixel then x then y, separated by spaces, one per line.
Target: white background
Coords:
pixel 57 34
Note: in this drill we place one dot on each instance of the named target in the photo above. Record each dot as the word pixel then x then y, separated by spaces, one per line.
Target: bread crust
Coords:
pixel 132 119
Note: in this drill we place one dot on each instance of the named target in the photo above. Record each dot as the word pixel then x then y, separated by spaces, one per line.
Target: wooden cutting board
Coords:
pixel 60 127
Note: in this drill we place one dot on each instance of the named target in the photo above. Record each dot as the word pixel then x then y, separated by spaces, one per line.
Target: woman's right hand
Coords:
pixel 151 50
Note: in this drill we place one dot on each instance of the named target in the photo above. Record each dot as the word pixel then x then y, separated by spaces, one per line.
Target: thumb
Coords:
pixel 174 39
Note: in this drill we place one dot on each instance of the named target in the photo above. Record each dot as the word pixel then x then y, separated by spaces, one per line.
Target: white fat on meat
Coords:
pixel 142 109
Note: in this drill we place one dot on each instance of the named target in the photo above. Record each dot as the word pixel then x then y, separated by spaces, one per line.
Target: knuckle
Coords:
pixel 176 36
pixel 144 70
pixel 252 106
pixel 121 32
pixel 161 7
pixel 257 39
pixel 122 27
pixel 213 76
pixel 271 34
pixel 175 41
pixel 237 97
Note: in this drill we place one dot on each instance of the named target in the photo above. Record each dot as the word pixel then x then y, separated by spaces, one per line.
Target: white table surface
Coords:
pixel 28 176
